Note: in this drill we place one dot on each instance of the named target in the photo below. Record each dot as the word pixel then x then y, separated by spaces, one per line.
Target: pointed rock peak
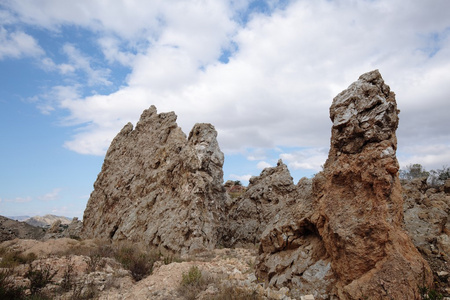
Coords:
pixel 364 113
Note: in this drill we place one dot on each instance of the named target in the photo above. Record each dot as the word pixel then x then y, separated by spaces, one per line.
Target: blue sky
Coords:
pixel 264 73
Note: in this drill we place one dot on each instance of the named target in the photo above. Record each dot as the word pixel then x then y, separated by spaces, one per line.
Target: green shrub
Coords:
pixel 193 277
pixel 429 294
pixel 193 282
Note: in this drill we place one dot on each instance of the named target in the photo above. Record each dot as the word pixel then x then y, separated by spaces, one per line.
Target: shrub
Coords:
pixel 413 171
pixel 12 259
pixel 138 262
pixel 68 278
pixel 7 288
pixel 237 293
pixel 193 282
pixel 39 278
pixel 193 277
pixel 429 294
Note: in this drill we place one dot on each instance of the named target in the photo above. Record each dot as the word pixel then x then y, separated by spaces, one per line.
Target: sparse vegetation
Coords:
pixel 8 290
pixel 429 294
pixel 193 282
pixel 413 171
pixel 67 282
pixel 12 259
pixel 139 262
pixel 39 278
pixel 236 293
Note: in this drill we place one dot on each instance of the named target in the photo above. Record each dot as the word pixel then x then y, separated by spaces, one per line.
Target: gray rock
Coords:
pixel 159 188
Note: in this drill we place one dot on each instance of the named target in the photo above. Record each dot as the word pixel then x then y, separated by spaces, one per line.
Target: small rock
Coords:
pixel 307 297
pixel 252 277
pixel 442 274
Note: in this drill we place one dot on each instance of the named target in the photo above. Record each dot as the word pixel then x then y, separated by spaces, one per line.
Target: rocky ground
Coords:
pixel 85 270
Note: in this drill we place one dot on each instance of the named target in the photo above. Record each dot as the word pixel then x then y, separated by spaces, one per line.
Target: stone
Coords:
pixel 55 227
pixel 291 253
pixel 358 198
pixel 160 188
pixel 262 202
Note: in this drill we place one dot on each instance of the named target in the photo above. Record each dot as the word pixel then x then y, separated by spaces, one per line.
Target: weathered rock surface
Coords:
pixel 12 229
pixel 160 188
pixel 359 202
pixel 427 222
pixel 292 252
pixel 265 200
pixel 353 227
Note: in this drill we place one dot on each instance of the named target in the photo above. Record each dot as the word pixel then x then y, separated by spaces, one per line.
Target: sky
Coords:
pixel 264 73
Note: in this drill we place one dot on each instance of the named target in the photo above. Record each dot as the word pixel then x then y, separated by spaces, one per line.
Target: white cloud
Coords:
pixel 51 196
pixel 17 44
pixel 243 178
pixel 82 62
pixel 262 165
pixel 277 87
pixel 305 159
pixel 17 200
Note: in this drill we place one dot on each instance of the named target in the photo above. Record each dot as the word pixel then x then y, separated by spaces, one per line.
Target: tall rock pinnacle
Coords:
pixel 359 206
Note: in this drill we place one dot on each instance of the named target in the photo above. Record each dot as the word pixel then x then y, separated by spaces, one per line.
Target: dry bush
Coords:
pixel 236 293
pixel 8 290
pixel 12 259
pixel 139 262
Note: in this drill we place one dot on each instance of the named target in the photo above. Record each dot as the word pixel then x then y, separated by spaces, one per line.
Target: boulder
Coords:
pixel 160 188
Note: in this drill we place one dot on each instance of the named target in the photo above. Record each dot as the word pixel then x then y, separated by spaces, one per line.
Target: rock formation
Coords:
pixel 264 201
pixel 160 188
pixel 359 202
pixel 357 210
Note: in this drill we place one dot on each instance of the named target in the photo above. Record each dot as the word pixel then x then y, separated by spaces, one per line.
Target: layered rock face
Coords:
pixel 359 209
pixel 158 187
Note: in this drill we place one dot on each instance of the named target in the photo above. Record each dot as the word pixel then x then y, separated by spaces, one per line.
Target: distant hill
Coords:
pixel 11 229
pixel 18 218
pixel 46 220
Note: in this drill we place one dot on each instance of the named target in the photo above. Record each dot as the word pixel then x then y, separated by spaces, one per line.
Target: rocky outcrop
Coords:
pixel 158 187
pixel 356 216
pixel 359 202
pixel 427 210
pixel 427 221
pixel 292 253
pixel 265 200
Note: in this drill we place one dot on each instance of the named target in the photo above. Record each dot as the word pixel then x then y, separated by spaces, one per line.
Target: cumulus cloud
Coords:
pixel 18 44
pixel 282 69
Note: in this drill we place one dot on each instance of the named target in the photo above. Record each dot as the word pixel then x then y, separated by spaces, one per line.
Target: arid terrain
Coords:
pixel 161 224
